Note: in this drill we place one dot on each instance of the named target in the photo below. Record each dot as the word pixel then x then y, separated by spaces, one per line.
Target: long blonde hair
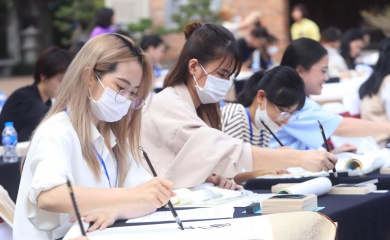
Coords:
pixel 102 54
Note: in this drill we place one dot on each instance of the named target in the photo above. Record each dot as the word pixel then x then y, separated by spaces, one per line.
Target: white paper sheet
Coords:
pixel 190 214
pixel 258 227
pixel 295 172
pixel 318 186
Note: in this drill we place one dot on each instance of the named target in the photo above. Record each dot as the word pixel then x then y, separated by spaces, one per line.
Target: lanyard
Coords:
pixel 105 168
pixel 250 124
pixel 101 160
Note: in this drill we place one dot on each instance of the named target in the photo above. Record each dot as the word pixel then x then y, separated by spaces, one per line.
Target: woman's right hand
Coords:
pixel 155 192
pixel 318 160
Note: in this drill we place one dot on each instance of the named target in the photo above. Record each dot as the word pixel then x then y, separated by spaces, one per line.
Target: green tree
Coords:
pixel 77 15
pixel 195 10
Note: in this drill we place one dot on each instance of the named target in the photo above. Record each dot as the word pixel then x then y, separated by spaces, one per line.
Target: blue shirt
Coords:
pixel 303 132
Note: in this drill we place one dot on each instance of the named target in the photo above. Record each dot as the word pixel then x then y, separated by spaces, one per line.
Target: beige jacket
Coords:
pixel 182 147
pixel 373 108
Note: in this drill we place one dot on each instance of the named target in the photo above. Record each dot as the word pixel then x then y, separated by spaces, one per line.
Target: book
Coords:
pixel 7 207
pixel 283 203
pixel 352 189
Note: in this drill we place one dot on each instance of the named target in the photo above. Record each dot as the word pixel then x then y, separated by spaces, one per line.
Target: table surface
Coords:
pixel 358 216
pixel 263 183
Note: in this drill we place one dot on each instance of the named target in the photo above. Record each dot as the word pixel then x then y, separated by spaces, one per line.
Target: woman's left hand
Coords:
pixel 223 182
pixel 101 219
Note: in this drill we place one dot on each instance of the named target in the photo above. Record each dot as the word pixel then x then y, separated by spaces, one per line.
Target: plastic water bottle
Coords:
pixel 2 100
pixel 9 141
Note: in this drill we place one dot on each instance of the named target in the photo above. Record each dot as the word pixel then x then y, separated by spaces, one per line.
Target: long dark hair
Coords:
pixel 282 86
pixel 349 36
pixel 381 70
pixel 303 52
pixel 206 43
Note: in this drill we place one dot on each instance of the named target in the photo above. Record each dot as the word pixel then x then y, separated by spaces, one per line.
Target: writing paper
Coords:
pixel 318 186
pixel 257 227
pixel 190 214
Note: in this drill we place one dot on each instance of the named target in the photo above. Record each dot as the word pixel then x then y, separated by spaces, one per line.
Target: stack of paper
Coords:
pixel 206 194
pixel 289 203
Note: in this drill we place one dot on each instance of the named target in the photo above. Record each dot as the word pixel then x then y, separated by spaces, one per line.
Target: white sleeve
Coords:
pixel 137 175
pixel 48 163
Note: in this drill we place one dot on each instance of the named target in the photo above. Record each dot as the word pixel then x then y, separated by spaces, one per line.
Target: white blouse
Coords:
pixel 54 153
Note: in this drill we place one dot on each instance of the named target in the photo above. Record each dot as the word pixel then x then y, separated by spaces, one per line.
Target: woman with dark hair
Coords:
pixel 104 20
pixel 310 59
pixel 375 92
pixel 352 43
pixel 28 105
pixel 181 127
pixel 302 26
pixel 269 98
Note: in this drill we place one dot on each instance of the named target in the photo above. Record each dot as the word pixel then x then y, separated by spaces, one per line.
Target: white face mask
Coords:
pixel 262 115
pixel 107 108
pixel 214 90
pixel 272 50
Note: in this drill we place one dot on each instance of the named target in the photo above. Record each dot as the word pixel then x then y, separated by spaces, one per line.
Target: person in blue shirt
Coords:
pixel 310 59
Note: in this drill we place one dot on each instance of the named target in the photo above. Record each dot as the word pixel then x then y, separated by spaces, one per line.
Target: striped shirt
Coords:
pixel 235 122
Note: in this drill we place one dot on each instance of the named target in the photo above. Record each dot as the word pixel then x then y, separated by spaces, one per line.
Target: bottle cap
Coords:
pixel 9 124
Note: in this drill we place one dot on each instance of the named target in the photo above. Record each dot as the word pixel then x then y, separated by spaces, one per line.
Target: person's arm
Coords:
pixel 127 202
pixel 353 127
pixel 311 160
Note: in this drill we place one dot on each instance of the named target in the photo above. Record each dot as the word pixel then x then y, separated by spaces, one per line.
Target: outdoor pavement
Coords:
pixel 10 84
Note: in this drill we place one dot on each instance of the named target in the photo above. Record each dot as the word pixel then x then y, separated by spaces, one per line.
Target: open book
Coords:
pixel 359 164
pixel 206 194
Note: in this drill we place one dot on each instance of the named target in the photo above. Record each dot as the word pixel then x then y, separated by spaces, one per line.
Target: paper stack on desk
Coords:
pixel 206 195
pixel 285 203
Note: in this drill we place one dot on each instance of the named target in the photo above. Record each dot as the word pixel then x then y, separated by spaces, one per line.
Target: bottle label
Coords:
pixel 9 140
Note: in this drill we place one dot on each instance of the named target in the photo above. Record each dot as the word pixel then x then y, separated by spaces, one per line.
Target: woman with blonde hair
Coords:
pixel 88 136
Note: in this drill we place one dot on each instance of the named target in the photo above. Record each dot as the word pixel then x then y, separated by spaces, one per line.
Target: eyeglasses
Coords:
pixel 124 95
pixel 283 116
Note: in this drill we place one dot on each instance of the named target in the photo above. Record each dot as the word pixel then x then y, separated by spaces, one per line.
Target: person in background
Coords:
pixel 331 41
pixel 352 43
pixel 154 47
pixel 232 22
pixel 268 51
pixel 185 118
pixel 26 106
pixel 375 92
pixel 271 97
pixel 256 40
pixel 302 26
pixel 104 22
pixel 91 136
pixel 310 59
